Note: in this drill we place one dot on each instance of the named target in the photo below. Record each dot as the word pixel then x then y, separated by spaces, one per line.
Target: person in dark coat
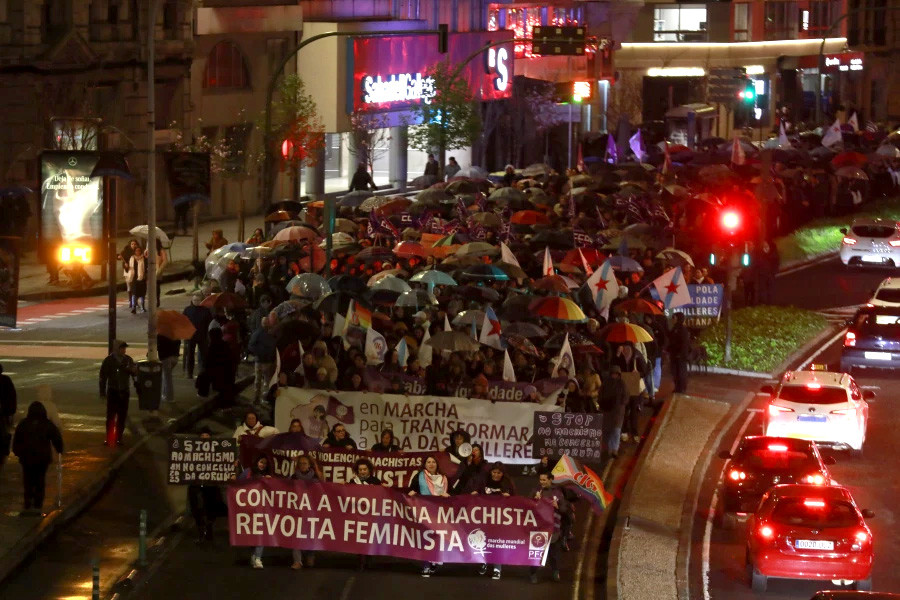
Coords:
pixel 679 353
pixel 547 492
pixel 496 483
pixel 362 180
pixel 472 472
pixel 613 400
pixel 195 348
pixel 116 372
pixel 35 436
pixel 218 369
pixel 767 264
pixel 339 438
pixel 206 502
pixel 8 407
pixel 388 442
pixel 168 350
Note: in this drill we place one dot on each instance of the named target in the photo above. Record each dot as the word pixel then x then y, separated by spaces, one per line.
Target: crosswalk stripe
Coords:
pixel 67 416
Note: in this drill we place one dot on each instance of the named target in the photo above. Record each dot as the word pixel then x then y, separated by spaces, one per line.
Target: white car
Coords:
pixel 873 242
pixel 886 294
pixel 823 406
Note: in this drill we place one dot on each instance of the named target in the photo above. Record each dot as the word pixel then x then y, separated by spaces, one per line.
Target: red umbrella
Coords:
pixel 225 300
pixel 410 249
pixel 849 159
pixel 529 217
pixel 314 262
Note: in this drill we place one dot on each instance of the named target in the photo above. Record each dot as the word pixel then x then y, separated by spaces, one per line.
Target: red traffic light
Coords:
pixel 731 220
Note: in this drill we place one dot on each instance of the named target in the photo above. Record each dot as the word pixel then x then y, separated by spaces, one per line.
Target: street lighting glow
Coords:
pixel 676 72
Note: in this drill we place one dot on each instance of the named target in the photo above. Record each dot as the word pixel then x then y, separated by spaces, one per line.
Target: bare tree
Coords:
pixel 369 137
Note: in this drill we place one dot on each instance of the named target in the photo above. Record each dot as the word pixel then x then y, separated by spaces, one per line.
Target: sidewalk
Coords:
pixel 88 464
pixel 33 275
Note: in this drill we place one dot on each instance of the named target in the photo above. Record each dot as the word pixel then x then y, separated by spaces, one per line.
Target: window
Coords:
pixel 225 67
pixel 679 23
pixel 170 19
pixel 781 20
pixel 741 21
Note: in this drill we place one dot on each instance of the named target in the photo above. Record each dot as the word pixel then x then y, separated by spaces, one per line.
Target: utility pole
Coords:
pixel 151 183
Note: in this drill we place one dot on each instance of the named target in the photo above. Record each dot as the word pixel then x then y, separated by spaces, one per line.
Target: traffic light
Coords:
pixel 731 221
pixel 581 90
pixel 748 92
pixel 443 38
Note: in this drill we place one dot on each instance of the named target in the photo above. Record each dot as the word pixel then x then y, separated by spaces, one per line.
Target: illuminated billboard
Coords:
pixel 71 214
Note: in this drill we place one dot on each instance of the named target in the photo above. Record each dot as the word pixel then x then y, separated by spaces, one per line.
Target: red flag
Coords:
pixel 340 411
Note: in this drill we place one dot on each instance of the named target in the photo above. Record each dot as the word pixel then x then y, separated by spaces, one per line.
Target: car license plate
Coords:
pixel 814 545
pixel 872 259
pixel 812 418
pixel 878 355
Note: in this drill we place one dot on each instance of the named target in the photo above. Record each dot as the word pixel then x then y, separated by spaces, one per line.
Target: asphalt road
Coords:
pixel 719 554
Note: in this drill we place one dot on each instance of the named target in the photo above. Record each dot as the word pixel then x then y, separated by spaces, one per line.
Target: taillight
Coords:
pixel 775 410
pixel 849 241
pixel 766 532
pixel 894 243
pixel 860 539
pixel 737 475
pixel 850 339
pixel 815 479
pixel 843 411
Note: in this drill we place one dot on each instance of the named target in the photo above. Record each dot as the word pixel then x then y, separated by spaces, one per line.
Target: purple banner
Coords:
pixel 377 521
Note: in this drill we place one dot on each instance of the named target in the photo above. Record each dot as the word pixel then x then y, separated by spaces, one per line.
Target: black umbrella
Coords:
pixel 515 308
pixel 338 302
pixel 526 330
pixel 476 292
pixel 354 198
pixel 560 240
pixel 292 330
pixel 347 283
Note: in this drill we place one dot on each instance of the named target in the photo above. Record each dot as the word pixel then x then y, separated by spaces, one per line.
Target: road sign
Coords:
pixel 725 83
pixel 558 41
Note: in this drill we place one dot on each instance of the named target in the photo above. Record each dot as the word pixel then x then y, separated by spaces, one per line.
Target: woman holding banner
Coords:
pixel 429 482
pixel 497 482
pixel 305 469
pixel 259 470
pixel 364 474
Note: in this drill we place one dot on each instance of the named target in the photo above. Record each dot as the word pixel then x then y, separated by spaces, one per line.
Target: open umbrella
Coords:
pixel 507 194
pixel 308 285
pixel 675 256
pixel 888 150
pixel 849 159
pixel 454 341
pixel 386 273
pixel 345 225
pixel 483 271
pixel 347 283
pixel 527 330
pixel 552 283
pixel 535 170
pixel 373 202
pixel 374 253
pixel 467 317
pixel 297 233
pixel 521 343
pixel 280 215
pixel 529 217
pixel 391 283
pixel 488 219
pixel 462 186
pixel 410 249
pixel 417 299
pixel 142 231
pixel 625 263
pixel 625 332
pixel 638 305
pixel 433 277
pixel 476 293
pixel 472 172
pixel 354 198
pixel 477 249
pixel 432 195
pixel 224 300
pixel 557 308
pixel 394 206
pixel 514 271
pixel 337 302
pixel 851 173
pixel 174 325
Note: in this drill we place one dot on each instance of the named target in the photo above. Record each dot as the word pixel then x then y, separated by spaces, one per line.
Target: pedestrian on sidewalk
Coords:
pixel 216 241
pixel 634 370
pixel 195 348
pixel 547 492
pixel 362 181
pixel 8 407
pixel 34 440
pixel 136 275
pixel 181 217
pixel 168 350
pixel 116 373
pixel 262 347
pixel 125 257
pixel 679 352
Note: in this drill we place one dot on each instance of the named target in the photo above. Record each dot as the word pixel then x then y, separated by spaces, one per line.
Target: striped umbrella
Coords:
pixel 625 332
pixel 557 308
pixel 638 305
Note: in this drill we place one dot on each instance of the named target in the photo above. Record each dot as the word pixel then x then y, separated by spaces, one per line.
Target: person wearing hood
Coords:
pixel 339 438
pixel 324 361
pixel 252 427
pixel 471 472
pixel 457 439
pixel 262 346
pixel 35 438
pixel 205 502
pixel 218 369
pixel 195 348
pixel 573 400
pixel 116 372
pixel 497 482
pixel 613 400
pixel 259 470
pixel 387 443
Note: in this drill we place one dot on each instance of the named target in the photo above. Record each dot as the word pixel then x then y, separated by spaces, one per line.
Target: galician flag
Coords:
pixel 274 380
pixel 603 285
pixel 565 360
pixel 853 122
pixel 376 346
pixel 585 481
pixel 548 262
pixel 833 135
pixel 672 288
pixel 507 256
pixel 402 352
pixel 424 354
pixel 584 263
pixel 490 330
pixel 509 374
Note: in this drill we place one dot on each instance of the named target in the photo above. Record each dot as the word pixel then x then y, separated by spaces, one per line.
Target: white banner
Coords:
pixel 421 423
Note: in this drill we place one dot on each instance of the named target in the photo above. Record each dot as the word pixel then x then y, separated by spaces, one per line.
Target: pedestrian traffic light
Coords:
pixel 748 92
pixel 443 38
pixel 745 259
pixel 712 259
pixel 731 221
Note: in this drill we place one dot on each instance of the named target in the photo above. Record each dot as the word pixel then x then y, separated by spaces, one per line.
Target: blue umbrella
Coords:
pixel 625 263
pixel 485 272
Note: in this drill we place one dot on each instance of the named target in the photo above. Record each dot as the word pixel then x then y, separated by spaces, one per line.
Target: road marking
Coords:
pixel 710 516
pixel 15 360
pixel 821 349
pixel 345 593
pixel 59 362
pixel 82 417
pixel 755 410
pixel 576 587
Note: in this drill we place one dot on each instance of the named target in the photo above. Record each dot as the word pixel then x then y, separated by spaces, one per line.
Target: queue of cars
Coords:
pixel 801 523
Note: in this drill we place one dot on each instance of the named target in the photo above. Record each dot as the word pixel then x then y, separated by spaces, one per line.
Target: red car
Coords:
pixel 805 531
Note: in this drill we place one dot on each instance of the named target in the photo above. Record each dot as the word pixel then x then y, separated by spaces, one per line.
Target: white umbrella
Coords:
pixel 888 150
pixel 142 231
pixel 472 172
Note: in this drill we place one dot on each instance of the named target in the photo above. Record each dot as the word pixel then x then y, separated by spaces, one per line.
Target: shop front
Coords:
pixel 379 82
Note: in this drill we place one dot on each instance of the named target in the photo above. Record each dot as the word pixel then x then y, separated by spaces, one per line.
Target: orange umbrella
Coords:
pixel 174 325
pixel 529 217
pixel 409 249
pixel 313 263
pixel 393 207
pixel 849 159
pixel 280 215
pixel 625 332
pixel 638 305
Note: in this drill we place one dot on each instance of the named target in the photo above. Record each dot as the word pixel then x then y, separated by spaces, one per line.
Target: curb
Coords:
pixel 797 265
pixel 184 273
pixel 689 510
pixel 86 494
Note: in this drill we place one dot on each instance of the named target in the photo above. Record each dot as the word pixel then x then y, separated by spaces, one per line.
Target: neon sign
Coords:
pixel 402 87
pixel 496 64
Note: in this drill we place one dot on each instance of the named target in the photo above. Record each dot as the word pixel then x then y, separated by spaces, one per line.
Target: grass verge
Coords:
pixel 762 337
pixel 822 236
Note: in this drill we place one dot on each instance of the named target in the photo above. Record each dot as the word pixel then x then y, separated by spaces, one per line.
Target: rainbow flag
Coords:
pixel 362 316
pixel 586 482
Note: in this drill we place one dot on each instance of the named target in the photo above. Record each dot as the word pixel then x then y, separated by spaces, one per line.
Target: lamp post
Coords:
pixel 151 182
pixel 110 165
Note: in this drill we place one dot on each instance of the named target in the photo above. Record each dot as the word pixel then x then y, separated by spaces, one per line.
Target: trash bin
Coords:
pixel 149 384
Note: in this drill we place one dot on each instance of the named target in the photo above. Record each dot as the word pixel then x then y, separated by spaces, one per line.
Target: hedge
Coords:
pixel 762 337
